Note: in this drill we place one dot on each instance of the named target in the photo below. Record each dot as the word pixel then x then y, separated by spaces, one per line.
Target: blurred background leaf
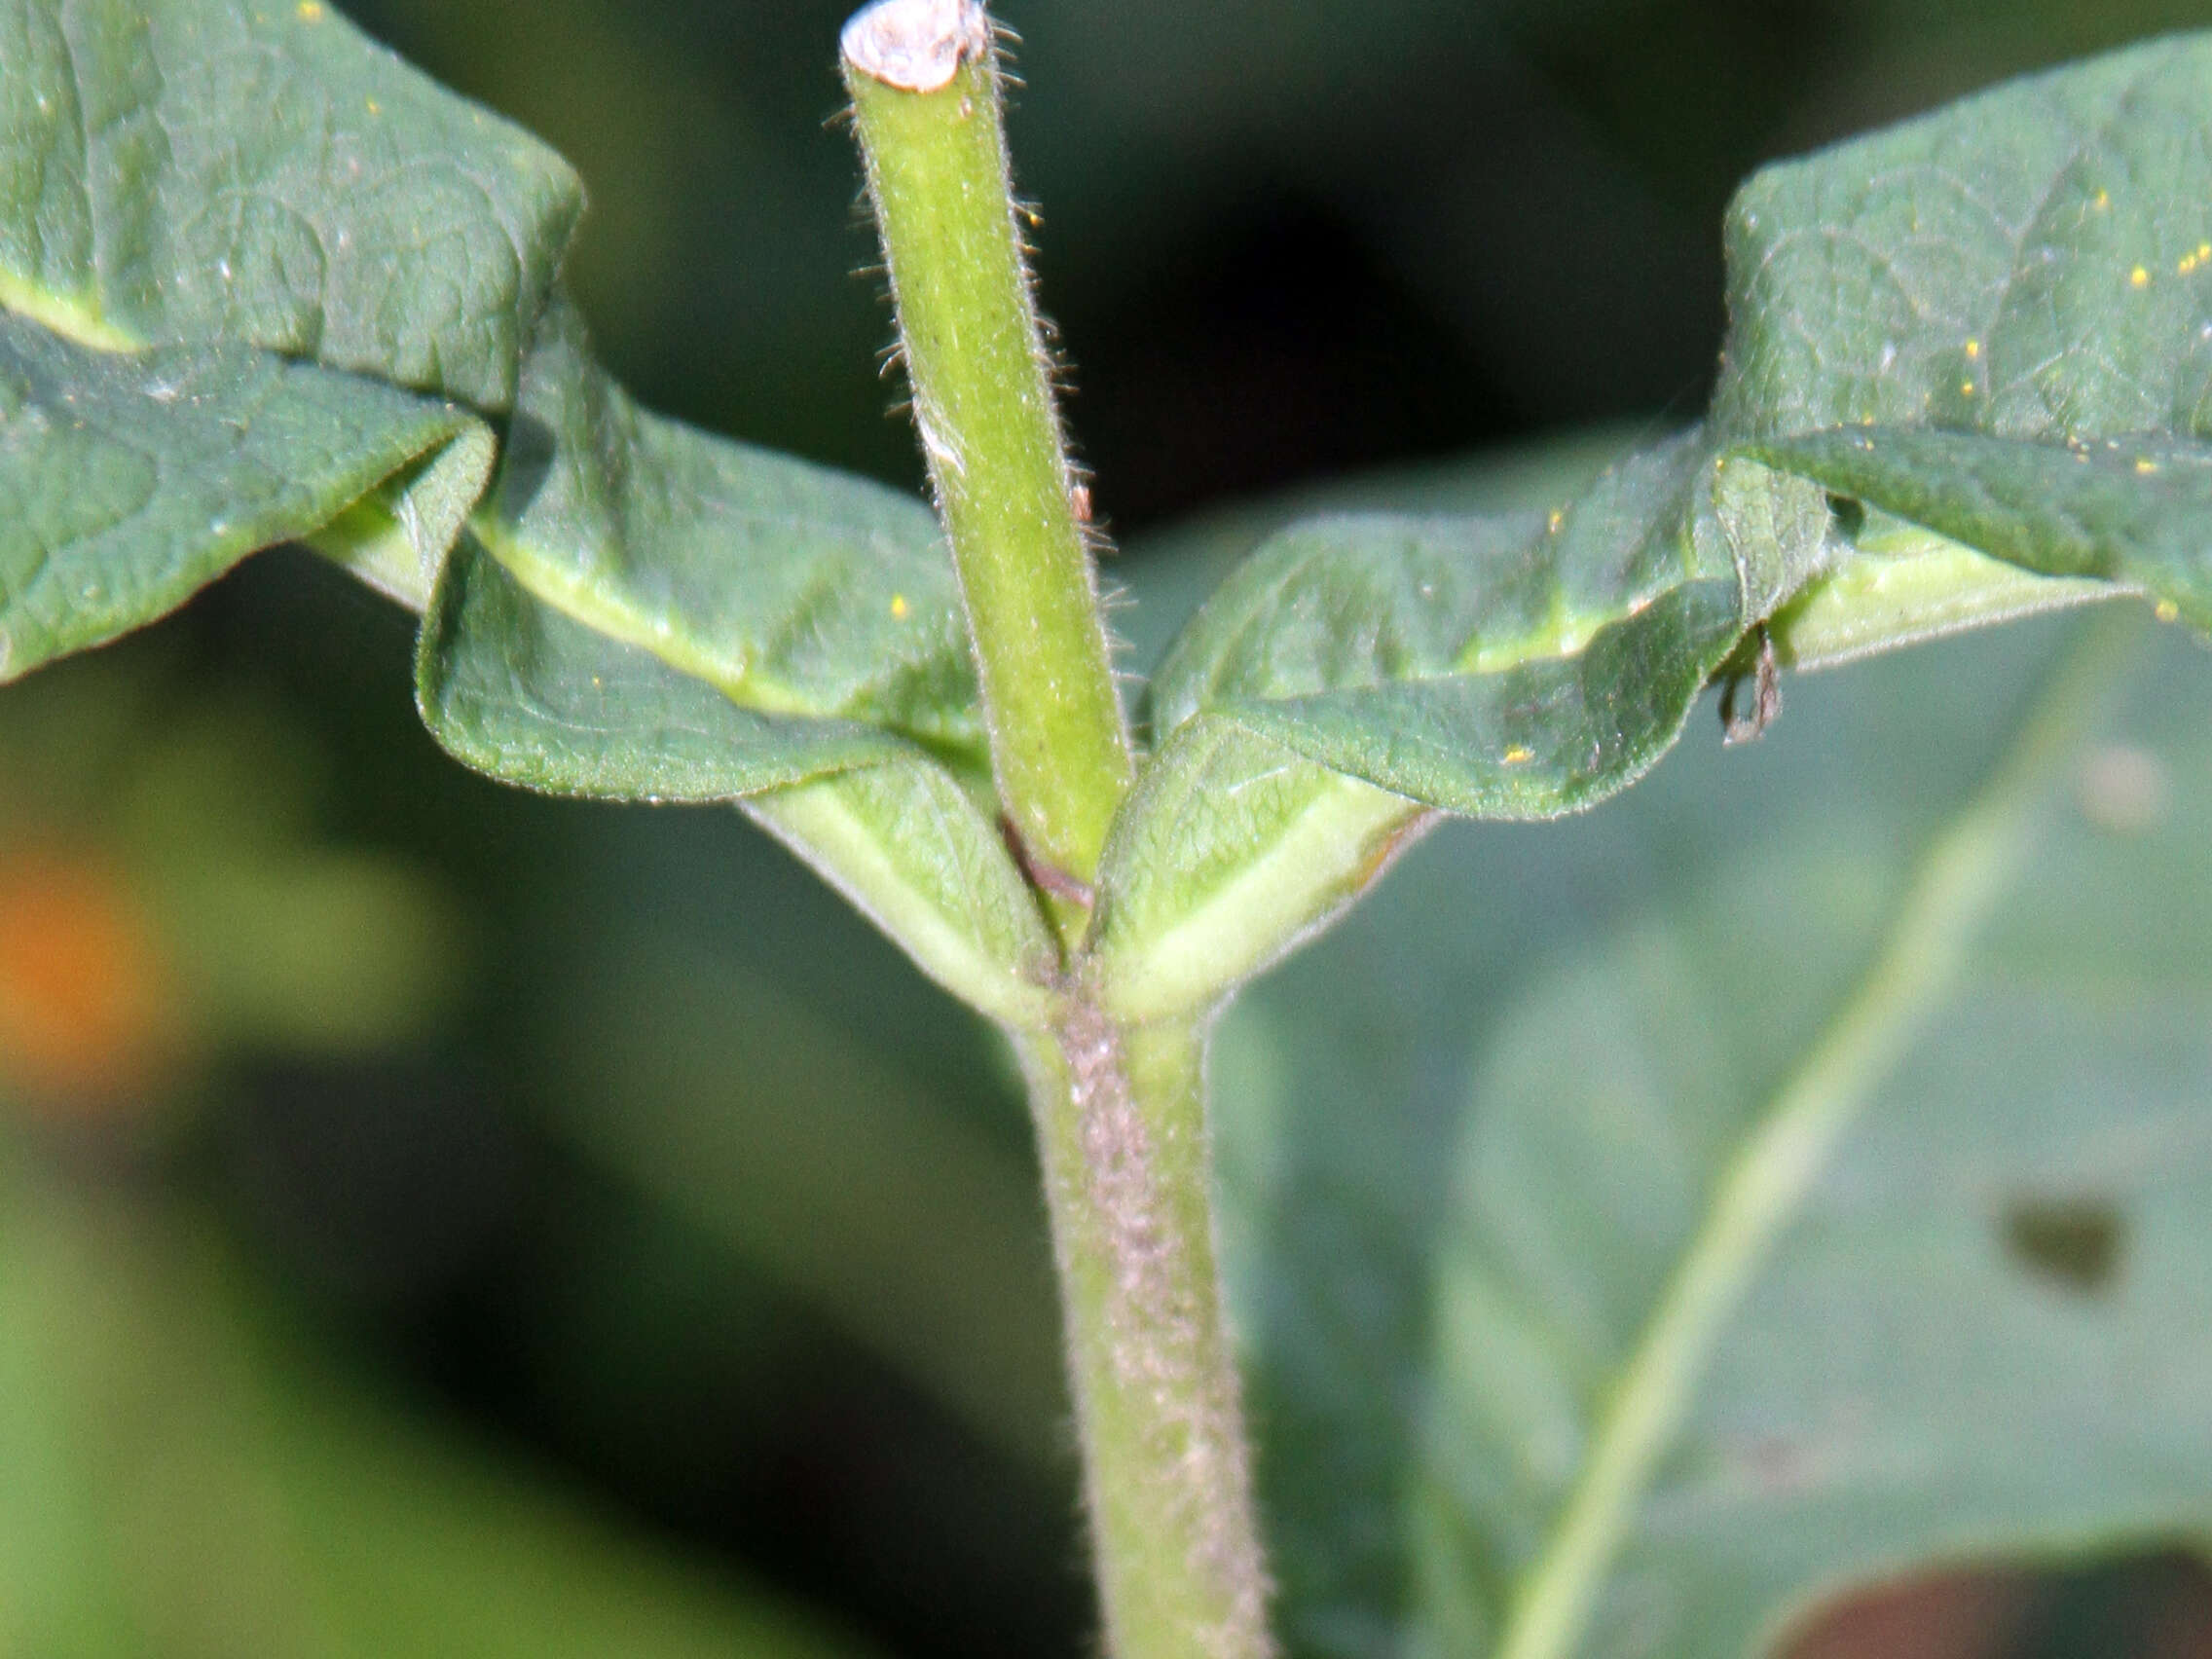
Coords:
pixel 1281 244
pixel 184 1479
pixel 1466 1161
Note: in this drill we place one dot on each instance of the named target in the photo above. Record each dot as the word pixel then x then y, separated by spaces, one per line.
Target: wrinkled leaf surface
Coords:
pixel 1996 321
pixel 1475 1144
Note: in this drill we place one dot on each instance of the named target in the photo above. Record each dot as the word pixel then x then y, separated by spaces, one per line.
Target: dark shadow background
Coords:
pixel 1282 239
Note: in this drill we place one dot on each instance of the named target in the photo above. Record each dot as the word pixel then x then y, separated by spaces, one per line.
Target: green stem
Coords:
pixel 1120 1108
pixel 925 87
pixel 1121 1118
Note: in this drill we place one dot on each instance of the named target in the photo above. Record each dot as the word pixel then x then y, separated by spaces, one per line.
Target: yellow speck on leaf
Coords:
pixel 2139 277
pixel 375 108
pixel 1966 389
pixel 2146 467
pixel 2166 611
pixel 310 11
pixel 2186 264
pixel 900 607
pixel 1558 518
pixel 2103 201
pixel 1973 349
pixel 1517 756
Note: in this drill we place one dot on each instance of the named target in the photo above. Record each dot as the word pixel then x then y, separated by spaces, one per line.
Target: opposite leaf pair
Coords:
pixel 1967 372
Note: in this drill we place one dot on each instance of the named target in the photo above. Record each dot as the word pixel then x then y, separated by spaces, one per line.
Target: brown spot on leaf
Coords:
pixel 2076 1242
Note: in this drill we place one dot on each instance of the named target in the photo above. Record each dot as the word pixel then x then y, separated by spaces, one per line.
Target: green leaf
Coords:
pixel 1519 667
pixel 796 590
pixel 1977 268
pixel 1990 330
pixel 131 481
pixel 1902 583
pixel 914 853
pixel 186 1480
pixel 517 689
pixel 1539 738
pixel 207 208
pixel 218 172
pixel 212 176
pixel 1983 321
pixel 514 688
pixel 1992 326
pixel 1231 851
pixel 2129 512
pixel 1797 1173
pixel 1363 604
pixel 645 612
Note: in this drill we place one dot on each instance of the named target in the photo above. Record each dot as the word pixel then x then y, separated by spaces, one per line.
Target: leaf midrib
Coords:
pixel 1958 881
pixel 585 602
pixel 73 318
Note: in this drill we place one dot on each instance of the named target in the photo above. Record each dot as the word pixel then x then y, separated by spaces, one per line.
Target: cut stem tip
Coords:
pixel 916 45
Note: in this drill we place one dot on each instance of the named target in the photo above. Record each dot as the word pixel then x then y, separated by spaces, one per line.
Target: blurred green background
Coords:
pixel 472 1173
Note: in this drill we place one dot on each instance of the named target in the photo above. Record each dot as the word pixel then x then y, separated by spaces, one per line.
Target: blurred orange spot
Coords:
pixel 86 1014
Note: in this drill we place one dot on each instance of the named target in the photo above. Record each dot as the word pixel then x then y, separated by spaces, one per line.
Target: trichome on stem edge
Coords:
pixel 1120 1108
pixel 924 79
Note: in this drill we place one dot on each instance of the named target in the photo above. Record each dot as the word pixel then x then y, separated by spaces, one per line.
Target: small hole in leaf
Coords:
pixel 2075 1243
pixel 1850 516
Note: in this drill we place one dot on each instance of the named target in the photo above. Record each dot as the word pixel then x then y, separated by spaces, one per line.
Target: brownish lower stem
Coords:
pixel 1167 1471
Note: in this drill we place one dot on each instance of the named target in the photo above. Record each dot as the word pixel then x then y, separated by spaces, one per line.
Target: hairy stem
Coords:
pixel 924 79
pixel 1121 1118
pixel 1120 1108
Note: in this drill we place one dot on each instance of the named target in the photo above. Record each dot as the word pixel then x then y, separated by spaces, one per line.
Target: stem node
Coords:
pixel 1120 1108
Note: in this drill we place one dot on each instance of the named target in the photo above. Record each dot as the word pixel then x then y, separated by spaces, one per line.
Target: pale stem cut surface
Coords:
pixel 916 45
